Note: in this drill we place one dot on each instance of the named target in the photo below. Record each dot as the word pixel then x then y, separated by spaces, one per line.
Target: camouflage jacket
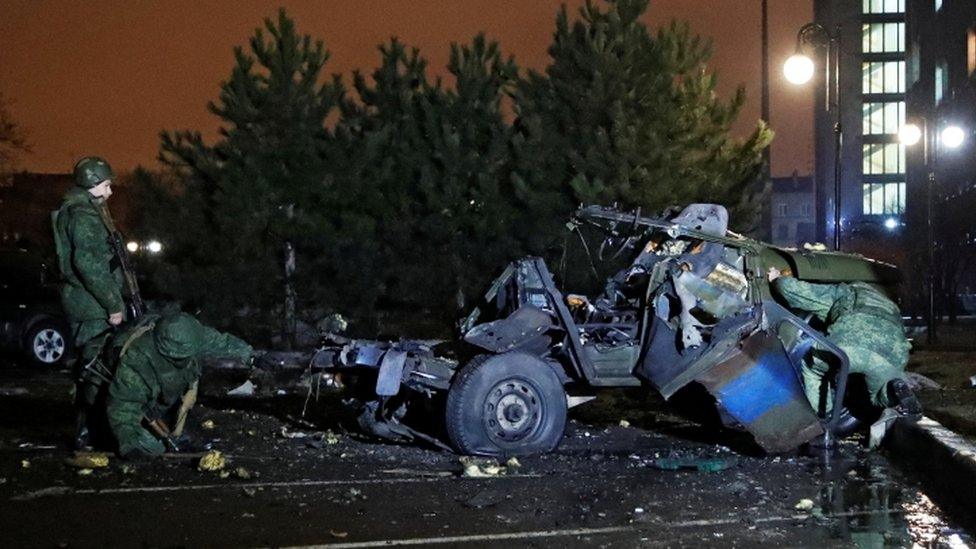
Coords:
pixel 92 288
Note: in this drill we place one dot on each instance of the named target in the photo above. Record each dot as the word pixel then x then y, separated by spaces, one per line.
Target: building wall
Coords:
pixel 793 219
pixel 872 109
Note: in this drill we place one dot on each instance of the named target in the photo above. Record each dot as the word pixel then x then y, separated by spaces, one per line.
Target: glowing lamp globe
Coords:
pixel 798 69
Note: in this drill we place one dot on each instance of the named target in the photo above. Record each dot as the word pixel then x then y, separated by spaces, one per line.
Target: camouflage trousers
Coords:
pixel 876 369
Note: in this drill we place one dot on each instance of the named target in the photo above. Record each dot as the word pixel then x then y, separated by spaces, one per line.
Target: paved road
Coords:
pixel 600 488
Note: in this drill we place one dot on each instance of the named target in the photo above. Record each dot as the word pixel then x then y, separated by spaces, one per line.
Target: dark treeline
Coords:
pixel 397 198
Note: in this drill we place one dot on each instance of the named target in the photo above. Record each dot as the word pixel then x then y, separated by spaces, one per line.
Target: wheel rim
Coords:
pixel 513 411
pixel 48 346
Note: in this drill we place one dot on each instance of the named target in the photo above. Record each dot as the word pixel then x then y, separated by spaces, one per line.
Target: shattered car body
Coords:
pixel 693 307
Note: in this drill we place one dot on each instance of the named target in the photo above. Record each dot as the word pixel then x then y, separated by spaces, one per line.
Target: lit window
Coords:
pixel 938 5
pixel 884 158
pixel 883 77
pixel 883 118
pixel 883 37
pixel 971 50
pixel 883 6
pixel 941 81
pixel 884 198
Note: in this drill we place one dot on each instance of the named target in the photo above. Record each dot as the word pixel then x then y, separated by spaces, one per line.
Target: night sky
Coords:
pixel 104 77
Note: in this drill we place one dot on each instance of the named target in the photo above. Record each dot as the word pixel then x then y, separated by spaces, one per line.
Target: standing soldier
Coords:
pixel 92 291
pixel 155 383
pixel 867 326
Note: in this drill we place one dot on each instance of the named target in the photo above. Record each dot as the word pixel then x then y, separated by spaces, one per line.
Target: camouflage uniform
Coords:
pixel 156 377
pixel 92 289
pixel 863 323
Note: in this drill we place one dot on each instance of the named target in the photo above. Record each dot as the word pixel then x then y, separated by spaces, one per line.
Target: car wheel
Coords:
pixel 507 404
pixel 46 343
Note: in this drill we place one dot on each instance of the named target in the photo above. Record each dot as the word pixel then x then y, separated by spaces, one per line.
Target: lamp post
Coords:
pixel 799 69
pixel 951 137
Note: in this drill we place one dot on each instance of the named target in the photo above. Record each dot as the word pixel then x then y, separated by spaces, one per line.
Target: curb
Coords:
pixel 944 460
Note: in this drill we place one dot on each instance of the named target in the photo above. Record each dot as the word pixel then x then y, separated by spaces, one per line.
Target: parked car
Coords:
pixel 32 323
pixel 528 351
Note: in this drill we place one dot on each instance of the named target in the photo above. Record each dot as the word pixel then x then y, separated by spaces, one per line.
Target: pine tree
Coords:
pixel 624 116
pixel 260 189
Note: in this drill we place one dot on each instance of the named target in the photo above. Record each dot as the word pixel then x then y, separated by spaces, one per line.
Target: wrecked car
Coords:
pixel 694 306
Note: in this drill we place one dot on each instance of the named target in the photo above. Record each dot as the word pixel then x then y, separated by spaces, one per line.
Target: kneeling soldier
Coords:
pixel 156 377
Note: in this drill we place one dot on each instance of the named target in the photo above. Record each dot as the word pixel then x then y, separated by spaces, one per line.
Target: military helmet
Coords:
pixel 92 170
pixel 178 336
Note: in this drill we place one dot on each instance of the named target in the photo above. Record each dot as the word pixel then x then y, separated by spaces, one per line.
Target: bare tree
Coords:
pixel 13 139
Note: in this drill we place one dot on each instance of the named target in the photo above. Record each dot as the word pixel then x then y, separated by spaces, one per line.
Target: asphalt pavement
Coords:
pixel 659 481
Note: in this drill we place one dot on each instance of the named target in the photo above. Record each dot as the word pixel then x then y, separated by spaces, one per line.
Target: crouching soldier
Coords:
pixel 156 377
pixel 867 326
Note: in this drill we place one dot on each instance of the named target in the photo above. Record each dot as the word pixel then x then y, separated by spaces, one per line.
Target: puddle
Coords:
pixel 870 504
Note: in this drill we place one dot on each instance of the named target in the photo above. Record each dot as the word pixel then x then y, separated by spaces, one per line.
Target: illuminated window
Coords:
pixel 884 198
pixel 938 5
pixel 883 118
pixel 883 37
pixel 883 6
pixel 971 50
pixel 941 81
pixel 884 158
pixel 883 77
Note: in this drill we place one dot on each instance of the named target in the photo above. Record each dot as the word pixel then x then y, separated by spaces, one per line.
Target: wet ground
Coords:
pixel 289 484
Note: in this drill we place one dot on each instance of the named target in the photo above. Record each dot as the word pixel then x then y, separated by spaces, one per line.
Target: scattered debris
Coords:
pixel 249 491
pixel 88 460
pixel 702 465
pixel 32 446
pixel 638 510
pixel 485 498
pixel 244 474
pixel 480 468
pixel 244 389
pixel 208 425
pixel 624 423
pixel 336 534
pixel 331 438
pixel 212 461
pixel 13 391
pixel 25 464
pixel 804 504
pixel 513 463
pixel 127 469
pixel 285 433
pixel 85 472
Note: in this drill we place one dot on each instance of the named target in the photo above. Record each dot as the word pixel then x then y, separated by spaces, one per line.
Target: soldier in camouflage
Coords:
pixel 91 294
pixel 157 369
pixel 867 326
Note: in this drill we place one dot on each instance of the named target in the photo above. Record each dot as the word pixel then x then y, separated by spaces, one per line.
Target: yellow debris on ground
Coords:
pixel 212 461
pixel 25 463
pixel 88 460
pixel 804 505
pixel 624 423
pixel 208 425
pixel 331 438
pixel 85 472
pixel 513 463
pixel 481 468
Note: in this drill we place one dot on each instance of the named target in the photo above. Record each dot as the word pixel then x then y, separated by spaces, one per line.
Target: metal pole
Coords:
pixel 928 158
pixel 838 135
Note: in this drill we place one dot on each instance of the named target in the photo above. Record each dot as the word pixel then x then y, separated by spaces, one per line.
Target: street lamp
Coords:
pixel 951 137
pixel 799 69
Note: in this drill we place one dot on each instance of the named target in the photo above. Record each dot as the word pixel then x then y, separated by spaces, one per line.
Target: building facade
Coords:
pixel 871 38
pixel 793 215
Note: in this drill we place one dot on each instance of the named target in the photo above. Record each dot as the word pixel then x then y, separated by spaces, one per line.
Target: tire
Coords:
pixel 510 404
pixel 46 343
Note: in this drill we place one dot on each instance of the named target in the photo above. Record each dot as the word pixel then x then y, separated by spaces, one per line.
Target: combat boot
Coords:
pixel 903 400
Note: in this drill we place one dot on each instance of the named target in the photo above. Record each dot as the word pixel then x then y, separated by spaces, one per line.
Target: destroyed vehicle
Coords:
pixel 694 306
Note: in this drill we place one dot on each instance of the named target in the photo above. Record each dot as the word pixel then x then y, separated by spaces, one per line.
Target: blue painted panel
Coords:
pixel 768 384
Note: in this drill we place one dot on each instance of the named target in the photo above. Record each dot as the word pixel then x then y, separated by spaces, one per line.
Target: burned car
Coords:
pixel 694 306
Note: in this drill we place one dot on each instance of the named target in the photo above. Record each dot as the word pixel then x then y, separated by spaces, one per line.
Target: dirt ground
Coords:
pixel 952 364
pixel 290 481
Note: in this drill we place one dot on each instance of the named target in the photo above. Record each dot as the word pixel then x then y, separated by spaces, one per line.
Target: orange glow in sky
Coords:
pixel 104 77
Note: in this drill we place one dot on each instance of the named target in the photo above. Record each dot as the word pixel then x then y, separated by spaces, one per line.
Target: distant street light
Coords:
pixel 799 69
pixel 132 246
pixel 154 246
pixel 951 137
pixel 891 223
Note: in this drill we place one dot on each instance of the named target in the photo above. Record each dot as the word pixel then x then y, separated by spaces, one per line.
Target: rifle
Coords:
pixel 161 430
pixel 136 306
